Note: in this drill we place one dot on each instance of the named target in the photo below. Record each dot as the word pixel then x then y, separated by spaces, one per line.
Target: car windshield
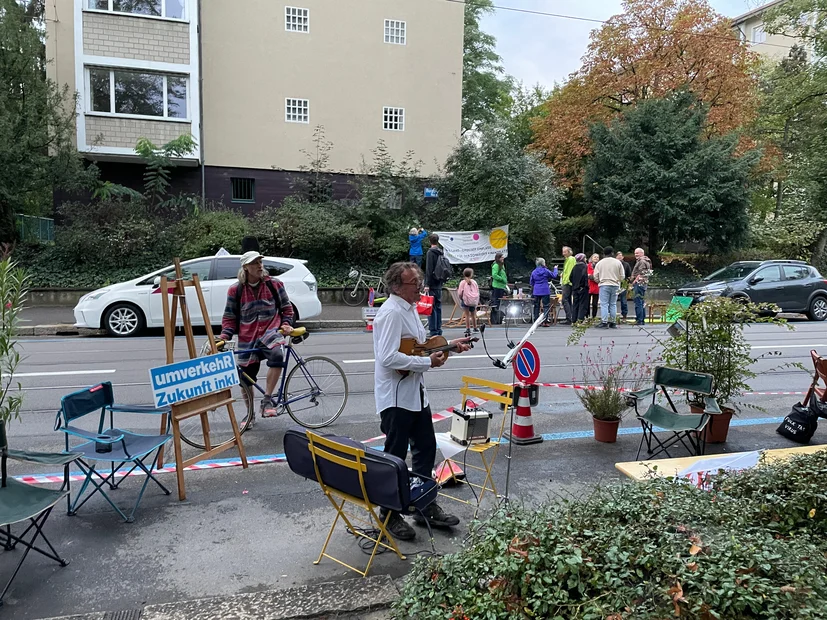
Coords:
pixel 732 272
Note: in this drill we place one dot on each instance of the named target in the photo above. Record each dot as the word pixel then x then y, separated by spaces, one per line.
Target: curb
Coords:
pixel 370 595
pixel 67 329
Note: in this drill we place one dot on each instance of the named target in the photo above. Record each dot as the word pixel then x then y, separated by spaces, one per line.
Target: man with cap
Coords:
pixel 415 237
pixel 260 313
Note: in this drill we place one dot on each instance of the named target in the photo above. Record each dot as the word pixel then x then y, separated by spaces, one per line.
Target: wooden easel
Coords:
pixel 201 405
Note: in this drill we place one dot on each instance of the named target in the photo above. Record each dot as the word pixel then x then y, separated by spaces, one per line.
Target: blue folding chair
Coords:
pixel 117 446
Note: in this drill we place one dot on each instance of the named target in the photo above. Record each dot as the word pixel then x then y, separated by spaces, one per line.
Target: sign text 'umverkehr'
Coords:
pixel 176 383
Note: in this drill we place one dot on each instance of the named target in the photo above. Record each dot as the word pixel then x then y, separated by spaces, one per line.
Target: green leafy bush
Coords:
pixel 647 551
pixel 207 232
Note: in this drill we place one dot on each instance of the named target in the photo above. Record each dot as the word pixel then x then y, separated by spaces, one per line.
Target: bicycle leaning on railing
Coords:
pixel 313 392
pixel 355 291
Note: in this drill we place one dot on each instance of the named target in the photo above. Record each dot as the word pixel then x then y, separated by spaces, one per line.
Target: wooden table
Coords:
pixel 640 470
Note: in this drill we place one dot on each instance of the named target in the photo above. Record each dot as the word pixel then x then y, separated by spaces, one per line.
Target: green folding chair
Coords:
pixel 686 429
pixel 21 502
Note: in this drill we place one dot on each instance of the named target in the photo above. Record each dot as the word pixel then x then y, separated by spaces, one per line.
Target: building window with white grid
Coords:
pixel 395 32
pixel 393 119
pixel 296 20
pixel 297 110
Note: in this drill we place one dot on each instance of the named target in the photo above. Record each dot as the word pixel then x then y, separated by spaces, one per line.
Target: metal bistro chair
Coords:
pixel 21 502
pixel 109 444
pixel 686 429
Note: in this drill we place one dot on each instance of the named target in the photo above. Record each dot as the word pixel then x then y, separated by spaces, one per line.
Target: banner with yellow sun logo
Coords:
pixel 474 246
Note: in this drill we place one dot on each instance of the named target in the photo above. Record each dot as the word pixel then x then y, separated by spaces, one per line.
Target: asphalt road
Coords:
pixel 242 531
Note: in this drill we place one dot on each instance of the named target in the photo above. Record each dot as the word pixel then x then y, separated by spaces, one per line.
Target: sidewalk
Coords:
pixel 365 599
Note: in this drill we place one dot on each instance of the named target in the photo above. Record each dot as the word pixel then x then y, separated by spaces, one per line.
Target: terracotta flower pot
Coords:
pixel 718 427
pixel 605 430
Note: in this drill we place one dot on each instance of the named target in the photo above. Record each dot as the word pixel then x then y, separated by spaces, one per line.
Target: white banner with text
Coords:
pixel 474 246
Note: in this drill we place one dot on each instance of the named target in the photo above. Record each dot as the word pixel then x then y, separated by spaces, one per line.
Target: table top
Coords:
pixel 640 470
pixel 524 298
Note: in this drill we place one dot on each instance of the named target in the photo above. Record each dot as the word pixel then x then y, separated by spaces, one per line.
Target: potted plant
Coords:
pixel 607 376
pixel 12 296
pixel 711 340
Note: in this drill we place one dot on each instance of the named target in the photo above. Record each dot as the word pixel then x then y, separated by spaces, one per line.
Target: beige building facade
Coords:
pixel 750 27
pixel 252 80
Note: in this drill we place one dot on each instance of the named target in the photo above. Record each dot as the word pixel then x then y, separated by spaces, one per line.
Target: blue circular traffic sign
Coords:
pixel 527 363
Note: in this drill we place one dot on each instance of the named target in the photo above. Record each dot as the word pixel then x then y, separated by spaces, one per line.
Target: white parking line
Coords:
pixel 789 346
pixel 63 373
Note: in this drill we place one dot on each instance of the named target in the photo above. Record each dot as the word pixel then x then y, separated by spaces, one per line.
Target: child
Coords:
pixel 469 297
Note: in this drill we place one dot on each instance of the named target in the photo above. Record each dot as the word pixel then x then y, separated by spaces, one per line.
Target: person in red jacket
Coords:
pixel 261 314
pixel 594 289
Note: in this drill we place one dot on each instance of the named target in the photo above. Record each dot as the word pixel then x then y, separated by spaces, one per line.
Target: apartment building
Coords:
pixel 251 80
pixel 750 27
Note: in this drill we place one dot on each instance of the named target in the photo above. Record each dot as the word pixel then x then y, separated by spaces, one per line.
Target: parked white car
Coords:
pixel 124 309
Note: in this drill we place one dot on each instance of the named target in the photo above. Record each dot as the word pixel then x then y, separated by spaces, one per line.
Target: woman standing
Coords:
pixel 499 286
pixel 540 278
pixel 594 289
pixel 580 289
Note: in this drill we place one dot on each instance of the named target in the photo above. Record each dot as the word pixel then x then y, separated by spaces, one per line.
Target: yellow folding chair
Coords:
pixel 322 448
pixel 502 393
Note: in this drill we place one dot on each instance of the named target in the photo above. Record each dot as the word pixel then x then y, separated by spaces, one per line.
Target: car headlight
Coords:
pixel 714 292
pixel 94 295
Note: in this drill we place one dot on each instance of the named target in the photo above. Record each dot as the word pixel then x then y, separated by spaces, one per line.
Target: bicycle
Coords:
pixel 355 292
pixel 313 392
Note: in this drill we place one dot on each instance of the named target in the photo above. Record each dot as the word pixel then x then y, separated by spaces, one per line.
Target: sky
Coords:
pixel 539 49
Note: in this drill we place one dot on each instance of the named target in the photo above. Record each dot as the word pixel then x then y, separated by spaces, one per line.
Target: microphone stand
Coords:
pixel 504 363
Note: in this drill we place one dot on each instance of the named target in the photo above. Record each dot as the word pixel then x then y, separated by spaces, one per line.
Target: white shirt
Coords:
pixel 398 319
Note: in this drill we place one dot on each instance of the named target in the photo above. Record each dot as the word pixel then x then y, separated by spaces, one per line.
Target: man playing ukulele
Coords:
pixel 399 382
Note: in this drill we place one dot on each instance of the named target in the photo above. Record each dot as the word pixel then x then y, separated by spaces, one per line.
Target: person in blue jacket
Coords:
pixel 415 237
pixel 540 278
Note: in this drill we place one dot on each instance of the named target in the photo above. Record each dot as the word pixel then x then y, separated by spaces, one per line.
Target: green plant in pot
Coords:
pixel 12 296
pixel 607 374
pixel 711 339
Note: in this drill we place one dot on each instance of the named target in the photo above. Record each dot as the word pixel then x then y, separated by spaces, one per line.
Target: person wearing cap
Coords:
pixel 260 313
pixel 415 237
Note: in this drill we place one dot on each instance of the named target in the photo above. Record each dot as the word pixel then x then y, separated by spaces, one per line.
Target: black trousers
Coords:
pixel 403 427
pixel 580 305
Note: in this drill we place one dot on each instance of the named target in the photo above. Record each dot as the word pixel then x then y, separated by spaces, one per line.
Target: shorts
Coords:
pixel 469 308
pixel 274 358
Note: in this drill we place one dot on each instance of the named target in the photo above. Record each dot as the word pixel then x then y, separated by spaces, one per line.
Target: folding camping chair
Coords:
pixel 819 376
pixel 458 321
pixel 686 429
pixel 109 444
pixel 21 502
pixel 351 473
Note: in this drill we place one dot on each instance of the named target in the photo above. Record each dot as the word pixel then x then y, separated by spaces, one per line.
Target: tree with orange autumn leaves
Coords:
pixel 649 51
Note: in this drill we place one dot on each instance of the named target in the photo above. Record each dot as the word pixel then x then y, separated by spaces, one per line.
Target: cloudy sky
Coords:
pixel 542 49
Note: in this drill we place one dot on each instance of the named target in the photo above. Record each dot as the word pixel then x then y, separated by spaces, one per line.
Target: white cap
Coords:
pixel 249 257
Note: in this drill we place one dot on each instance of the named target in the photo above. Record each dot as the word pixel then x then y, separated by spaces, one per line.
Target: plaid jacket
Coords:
pixel 257 317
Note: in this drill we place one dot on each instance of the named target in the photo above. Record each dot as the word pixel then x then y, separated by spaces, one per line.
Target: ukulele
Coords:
pixel 434 344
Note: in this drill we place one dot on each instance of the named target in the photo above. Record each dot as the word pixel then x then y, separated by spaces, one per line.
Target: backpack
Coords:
pixel 468 296
pixel 443 269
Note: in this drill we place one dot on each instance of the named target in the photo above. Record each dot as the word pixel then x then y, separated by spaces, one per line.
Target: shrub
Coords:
pixel 207 232
pixel 647 551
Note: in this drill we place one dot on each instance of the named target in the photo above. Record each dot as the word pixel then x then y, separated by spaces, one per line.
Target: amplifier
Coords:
pixel 471 426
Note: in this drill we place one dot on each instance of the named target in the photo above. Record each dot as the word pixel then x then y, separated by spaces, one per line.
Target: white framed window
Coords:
pixel 395 31
pixel 296 19
pixel 127 92
pixel 758 35
pixel 170 9
pixel 393 119
pixel 296 111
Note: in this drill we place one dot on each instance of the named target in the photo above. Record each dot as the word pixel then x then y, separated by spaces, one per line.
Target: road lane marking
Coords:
pixel 788 346
pixel 63 373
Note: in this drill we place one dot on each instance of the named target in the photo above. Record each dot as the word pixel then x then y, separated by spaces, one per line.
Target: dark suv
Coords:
pixel 792 285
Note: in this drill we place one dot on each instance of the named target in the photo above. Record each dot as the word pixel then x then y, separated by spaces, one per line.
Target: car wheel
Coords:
pixel 818 309
pixel 122 320
pixel 296 316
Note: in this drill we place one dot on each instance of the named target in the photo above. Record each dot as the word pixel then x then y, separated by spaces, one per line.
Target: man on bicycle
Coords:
pixel 259 311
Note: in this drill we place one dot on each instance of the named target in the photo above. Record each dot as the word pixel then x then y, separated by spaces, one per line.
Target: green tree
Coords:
pixel 485 87
pixel 654 175
pixel 527 105
pixel 491 181
pixel 158 162
pixel 37 123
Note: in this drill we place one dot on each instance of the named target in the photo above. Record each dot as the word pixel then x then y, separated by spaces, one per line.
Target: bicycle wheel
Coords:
pixel 353 294
pixel 316 392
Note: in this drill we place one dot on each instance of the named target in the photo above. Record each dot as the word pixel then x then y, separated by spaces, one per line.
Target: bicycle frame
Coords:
pixel 281 400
